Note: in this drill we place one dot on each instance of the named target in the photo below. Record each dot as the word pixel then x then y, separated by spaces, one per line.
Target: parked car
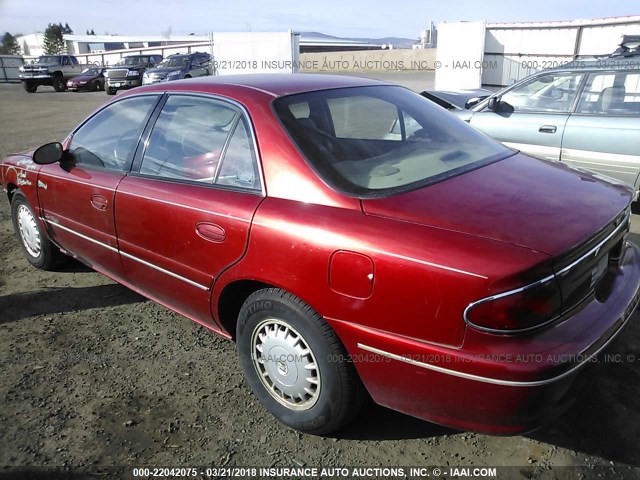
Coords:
pixel 90 79
pixel 51 70
pixel 128 72
pixel 276 211
pixel 585 113
pixel 457 99
pixel 179 66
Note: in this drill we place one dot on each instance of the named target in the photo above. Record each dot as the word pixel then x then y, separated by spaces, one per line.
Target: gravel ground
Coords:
pixel 95 375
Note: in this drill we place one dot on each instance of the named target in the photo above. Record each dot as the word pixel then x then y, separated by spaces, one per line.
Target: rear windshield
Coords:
pixel 378 140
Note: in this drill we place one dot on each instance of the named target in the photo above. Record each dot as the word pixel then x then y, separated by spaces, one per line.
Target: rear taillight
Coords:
pixel 518 310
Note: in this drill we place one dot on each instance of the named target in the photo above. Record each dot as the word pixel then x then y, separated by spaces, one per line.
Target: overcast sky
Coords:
pixel 347 18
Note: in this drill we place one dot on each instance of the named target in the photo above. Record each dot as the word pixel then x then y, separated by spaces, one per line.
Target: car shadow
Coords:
pixel 379 423
pixel 605 421
pixel 18 306
pixel 74 266
pixel 45 473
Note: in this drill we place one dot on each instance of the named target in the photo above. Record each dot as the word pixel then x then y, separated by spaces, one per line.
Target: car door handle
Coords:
pixel 547 129
pixel 211 232
pixel 99 202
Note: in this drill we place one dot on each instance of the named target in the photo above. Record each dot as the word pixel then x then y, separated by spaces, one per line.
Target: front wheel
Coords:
pixel 295 363
pixel 58 84
pixel 30 87
pixel 38 249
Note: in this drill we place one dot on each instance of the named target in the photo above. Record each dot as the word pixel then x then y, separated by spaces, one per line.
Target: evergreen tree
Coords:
pixel 53 41
pixel 9 45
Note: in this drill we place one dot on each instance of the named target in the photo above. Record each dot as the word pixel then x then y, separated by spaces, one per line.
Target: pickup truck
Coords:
pixel 128 72
pixel 52 70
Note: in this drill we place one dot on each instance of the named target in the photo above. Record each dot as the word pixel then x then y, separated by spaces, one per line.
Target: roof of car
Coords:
pixel 279 84
pixel 192 54
pixel 629 61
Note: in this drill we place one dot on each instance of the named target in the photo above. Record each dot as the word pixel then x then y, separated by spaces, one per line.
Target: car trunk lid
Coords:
pixel 537 204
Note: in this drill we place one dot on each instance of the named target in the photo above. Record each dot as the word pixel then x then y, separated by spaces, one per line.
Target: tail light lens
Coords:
pixel 517 310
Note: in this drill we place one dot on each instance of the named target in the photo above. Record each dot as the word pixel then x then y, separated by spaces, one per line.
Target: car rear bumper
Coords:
pixel 497 384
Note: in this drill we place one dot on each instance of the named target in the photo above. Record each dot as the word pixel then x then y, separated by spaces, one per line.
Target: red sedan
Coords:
pixel 351 237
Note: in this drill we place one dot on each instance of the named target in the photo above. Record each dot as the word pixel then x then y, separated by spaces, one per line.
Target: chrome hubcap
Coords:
pixel 29 233
pixel 285 364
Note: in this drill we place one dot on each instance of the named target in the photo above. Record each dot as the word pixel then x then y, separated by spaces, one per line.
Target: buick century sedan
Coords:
pixel 352 237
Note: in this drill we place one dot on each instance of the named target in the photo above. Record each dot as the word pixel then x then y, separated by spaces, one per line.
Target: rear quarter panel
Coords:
pixel 422 277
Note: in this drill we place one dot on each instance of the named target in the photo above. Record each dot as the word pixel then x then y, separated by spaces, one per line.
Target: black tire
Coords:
pixel 285 329
pixel 110 91
pixel 30 87
pixel 46 256
pixel 58 83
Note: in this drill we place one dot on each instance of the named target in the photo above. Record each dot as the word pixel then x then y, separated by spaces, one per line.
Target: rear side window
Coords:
pixel 611 93
pixel 239 168
pixel 201 140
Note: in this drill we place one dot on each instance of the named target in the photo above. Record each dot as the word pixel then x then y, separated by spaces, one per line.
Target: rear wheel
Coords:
pixel 295 363
pixel 30 87
pixel 38 249
pixel 58 84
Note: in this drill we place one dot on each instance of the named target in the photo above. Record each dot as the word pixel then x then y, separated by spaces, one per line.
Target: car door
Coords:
pixel 183 216
pixel 531 117
pixel 77 195
pixel 603 134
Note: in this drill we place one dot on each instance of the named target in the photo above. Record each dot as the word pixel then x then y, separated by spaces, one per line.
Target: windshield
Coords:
pixel 371 141
pixel 132 61
pixel 174 62
pixel 48 59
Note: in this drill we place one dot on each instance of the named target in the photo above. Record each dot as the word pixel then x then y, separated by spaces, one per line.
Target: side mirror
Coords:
pixel 493 104
pixel 47 154
pixel 472 102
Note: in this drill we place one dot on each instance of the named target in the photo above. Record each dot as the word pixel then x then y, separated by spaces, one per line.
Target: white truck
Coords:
pixel 52 70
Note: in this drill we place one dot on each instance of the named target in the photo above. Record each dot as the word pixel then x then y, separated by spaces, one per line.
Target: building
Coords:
pixel 33 44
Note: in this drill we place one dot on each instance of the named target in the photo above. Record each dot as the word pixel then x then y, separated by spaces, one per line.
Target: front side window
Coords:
pixel 550 93
pixel 108 139
pixel 377 140
pixel 202 140
pixel 611 93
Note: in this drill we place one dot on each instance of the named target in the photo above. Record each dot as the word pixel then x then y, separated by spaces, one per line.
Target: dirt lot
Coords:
pixel 94 375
